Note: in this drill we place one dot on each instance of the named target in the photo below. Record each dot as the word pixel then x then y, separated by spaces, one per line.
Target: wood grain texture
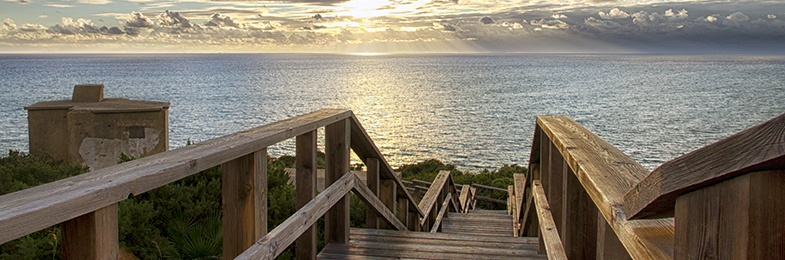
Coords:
pixel 606 174
pixel 387 195
pixel 740 218
pixel 608 245
pixel 377 206
pixel 92 236
pixel 372 177
pixel 241 181
pixel 42 206
pixel 463 199
pixel 759 148
pixel 438 221
pixel 337 144
pixel 548 231
pixel 430 198
pixel 287 232
pixel 305 190
pixel 520 190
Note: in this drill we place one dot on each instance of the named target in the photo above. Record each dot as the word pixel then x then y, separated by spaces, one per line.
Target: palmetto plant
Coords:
pixel 195 239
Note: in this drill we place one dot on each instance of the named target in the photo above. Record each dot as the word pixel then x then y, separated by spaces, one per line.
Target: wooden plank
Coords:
pixel 305 190
pixel 480 186
pixel 555 188
pixel 414 221
pixel 388 195
pixel 441 215
pixel 377 206
pixel 92 236
pixel 579 232
pixel 282 236
pixel 240 186
pixel 473 197
pixel 511 200
pixel 550 235
pixel 608 245
pixel 740 218
pixel 759 148
pixel 463 199
pixel 337 154
pixel 429 199
pixel 490 199
pixel 410 254
pixel 607 174
pixel 446 242
pixel 402 210
pixel 441 236
pixel 436 249
pixel 520 189
pixel 46 205
pixel 372 177
pixel 363 147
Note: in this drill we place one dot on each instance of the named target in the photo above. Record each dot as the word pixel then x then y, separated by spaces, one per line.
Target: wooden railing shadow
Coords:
pixel 591 201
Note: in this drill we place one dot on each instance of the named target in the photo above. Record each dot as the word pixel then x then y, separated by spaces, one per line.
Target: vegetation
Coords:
pixel 182 220
pixel 20 171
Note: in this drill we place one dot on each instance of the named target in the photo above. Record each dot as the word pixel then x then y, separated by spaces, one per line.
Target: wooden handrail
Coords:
pixel 550 236
pixel 363 147
pixel 581 174
pixel 33 209
pixel 759 148
pixel 275 242
pixel 437 223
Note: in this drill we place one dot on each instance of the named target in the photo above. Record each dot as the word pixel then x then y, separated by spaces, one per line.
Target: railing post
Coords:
pixel 579 232
pixel 403 210
pixel 244 195
pixel 337 145
pixel 608 245
pixel 372 177
pixel 739 218
pixel 387 194
pixel 92 236
pixel 305 189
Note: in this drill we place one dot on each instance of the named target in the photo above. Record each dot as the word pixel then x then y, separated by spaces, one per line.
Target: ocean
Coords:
pixel 475 111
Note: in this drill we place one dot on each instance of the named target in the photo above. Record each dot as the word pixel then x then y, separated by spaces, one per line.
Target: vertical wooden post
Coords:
pixel 337 145
pixel 387 194
pixel 305 189
pixel 555 188
pixel 372 176
pixel 608 245
pixel 244 196
pixel 545 175
pixel 739 218
pixel 92 236
pixel 403 210
pixel 414 221
pixel 579 231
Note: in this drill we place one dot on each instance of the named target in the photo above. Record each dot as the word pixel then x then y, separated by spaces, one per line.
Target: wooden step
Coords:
pixel 389 244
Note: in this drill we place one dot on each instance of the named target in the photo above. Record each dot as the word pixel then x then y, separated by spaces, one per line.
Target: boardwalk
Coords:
pixel 479 234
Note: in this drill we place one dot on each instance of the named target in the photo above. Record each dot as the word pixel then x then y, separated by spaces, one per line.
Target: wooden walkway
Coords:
pixel 480 234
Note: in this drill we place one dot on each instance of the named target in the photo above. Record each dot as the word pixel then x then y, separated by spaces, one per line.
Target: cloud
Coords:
pixel 614 13
pixel 559 16
pixel 771 16
pixel 138 20
pixel 173 19
pixel 221 21
pixel 486 20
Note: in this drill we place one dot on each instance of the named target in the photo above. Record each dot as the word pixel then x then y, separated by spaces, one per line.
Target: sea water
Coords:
pixel 476 111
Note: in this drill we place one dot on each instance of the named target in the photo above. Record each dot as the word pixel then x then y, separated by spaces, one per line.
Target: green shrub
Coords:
pixel 20 171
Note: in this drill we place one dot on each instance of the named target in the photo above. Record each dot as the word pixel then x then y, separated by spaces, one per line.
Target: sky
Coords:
pixel 393 26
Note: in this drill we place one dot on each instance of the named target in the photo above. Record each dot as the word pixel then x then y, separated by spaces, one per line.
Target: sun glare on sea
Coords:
pixel 368 53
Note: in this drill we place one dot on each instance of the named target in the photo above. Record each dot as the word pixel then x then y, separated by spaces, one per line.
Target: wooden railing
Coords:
pixel 86 204
pixel 727 198
pixel 424 186
pixel 437 201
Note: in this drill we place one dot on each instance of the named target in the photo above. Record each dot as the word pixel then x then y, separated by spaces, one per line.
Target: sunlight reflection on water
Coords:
pixel 476 111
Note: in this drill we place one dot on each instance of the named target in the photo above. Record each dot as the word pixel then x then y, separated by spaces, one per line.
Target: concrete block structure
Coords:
pixel 94 131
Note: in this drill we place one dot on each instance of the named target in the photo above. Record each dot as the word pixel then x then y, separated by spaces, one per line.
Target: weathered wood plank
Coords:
pixel 463 199
pixel 337 145
pixel 243 185
pixel 490 199
pixel 305 190
pixel 435 249
pixel 92 236
pixel 441 215
pixel 407 254
pixel 372 177
pixel 759 148
pixel 282 236
pixel 520 189
pixel 377 206
pixel 608 245
pixel 739 218
pixel 446 242
pixel 606 175
pixel 548 231
pixel 387 195
pixel 480 186
pixel 579 232
pixel 429 199
pixel 46 205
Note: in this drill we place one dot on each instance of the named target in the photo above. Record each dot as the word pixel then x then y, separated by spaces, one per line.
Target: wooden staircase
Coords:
pixel 479 234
